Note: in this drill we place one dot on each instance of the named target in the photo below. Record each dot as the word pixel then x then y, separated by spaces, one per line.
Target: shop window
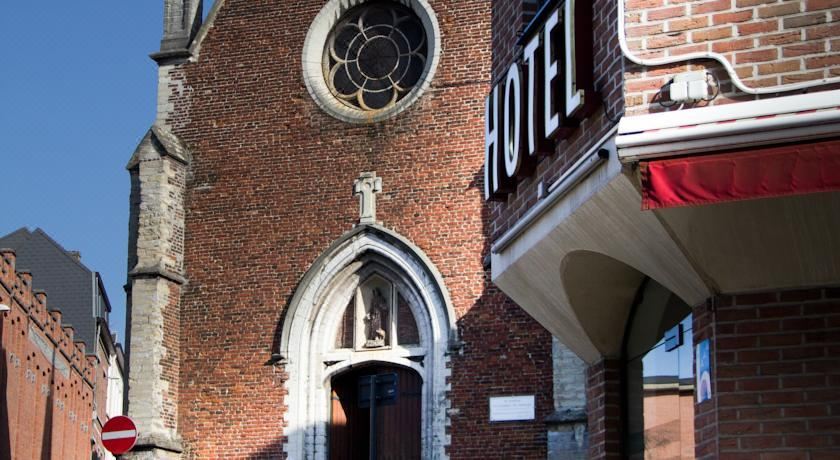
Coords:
pixel 659 377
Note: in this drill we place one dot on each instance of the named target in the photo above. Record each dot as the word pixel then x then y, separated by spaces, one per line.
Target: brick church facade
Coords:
pixel 559 229
pixel 291 232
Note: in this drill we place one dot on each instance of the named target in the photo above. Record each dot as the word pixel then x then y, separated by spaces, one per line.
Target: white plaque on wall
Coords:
pixel 511 408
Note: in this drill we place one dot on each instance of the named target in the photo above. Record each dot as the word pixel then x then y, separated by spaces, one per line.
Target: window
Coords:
pixel 368 60
pixel 375 55
pixel 659 377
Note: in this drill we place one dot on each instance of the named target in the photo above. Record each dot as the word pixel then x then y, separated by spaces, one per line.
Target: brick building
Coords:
pixel 663 183
pixel 307 212
pixel 56 393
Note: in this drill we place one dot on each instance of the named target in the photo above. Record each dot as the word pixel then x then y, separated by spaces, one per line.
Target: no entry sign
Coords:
pixel 119 435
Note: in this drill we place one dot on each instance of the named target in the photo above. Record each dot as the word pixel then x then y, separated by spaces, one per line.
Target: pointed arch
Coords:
pixel 309 326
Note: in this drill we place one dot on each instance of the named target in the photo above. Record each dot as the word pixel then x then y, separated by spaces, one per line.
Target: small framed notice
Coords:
pixel 704 380
pixel 511 408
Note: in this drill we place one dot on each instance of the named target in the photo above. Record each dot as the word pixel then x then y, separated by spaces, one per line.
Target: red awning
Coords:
pixel 759 173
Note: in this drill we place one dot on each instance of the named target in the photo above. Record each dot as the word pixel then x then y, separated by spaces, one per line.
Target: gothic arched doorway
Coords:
pixel 372 299
pixel 397 420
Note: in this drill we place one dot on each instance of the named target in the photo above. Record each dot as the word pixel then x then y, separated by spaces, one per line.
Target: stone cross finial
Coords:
pixel 367 186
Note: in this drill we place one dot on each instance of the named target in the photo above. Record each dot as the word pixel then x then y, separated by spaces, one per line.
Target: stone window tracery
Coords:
pixel 344 336
pixel 407 331
pixel 375 55
pixel 368 60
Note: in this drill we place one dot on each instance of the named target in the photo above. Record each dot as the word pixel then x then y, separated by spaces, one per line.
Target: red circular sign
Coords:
pixel 119 435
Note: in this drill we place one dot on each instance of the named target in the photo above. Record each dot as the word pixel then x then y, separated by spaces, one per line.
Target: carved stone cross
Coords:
pixel 367 186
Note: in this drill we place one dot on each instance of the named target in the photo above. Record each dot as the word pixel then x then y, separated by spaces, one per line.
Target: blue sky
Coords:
pixel 77 92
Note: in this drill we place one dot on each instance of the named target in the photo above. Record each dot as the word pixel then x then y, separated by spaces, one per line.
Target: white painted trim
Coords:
pixel 119 434
pixel 577 172
pixel 711 141
pixel 747 124
pixel 733 76
pixel 721 113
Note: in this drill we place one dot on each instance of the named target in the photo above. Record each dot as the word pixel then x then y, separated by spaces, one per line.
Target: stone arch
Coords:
pixel 310 322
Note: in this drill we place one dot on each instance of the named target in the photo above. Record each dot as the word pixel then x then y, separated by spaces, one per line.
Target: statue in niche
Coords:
pixel 376 319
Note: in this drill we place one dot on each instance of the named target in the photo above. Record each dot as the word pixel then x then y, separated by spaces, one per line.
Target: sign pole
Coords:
pixel 381 390
pixel 372 437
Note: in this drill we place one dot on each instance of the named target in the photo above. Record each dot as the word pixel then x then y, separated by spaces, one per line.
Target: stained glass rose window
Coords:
pixel 375 55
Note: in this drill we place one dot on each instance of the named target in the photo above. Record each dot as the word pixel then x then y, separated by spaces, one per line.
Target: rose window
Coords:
pixel 375 55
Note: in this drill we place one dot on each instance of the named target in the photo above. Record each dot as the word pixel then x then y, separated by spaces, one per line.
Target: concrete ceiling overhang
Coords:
pixel 756 244
pixel 762 244
pixel 576 266
pixel 572 262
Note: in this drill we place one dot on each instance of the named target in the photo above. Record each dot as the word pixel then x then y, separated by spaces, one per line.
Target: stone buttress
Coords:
pixel 158 170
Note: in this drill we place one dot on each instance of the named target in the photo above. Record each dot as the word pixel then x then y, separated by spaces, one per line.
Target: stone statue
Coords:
pixel 377 319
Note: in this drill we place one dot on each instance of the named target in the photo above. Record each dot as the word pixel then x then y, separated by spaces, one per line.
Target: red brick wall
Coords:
pixel 509 18
pixel 769 42
pixel 775 380
pixel 45 412
pixel 171 360
pixel 705 414
pixel 269 190
pixel 603 409
pixel 777 374
pixel 608 83
pixel 504 354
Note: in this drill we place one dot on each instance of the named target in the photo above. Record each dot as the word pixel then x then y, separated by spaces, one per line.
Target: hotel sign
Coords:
pixel 541 100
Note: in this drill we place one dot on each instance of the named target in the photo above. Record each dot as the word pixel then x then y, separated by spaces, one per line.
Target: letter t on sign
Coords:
pixel 367 186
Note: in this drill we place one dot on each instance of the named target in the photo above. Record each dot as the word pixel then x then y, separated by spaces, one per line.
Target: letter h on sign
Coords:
pixel 555 100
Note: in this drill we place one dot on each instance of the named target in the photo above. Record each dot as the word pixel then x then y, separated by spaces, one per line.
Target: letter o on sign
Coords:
pixel 512 147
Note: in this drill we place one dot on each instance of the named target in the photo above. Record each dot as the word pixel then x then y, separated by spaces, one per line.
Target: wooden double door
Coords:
pixel 397 425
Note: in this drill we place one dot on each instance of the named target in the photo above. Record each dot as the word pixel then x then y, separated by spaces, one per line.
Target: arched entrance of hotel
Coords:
pixel 659 376
pixel 628 314
pixel 397 426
